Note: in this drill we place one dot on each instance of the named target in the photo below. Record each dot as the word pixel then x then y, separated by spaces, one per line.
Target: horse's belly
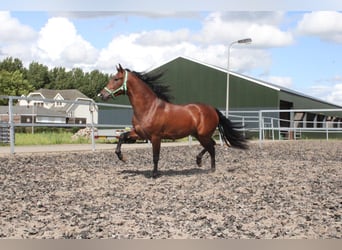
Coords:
pixel 177 129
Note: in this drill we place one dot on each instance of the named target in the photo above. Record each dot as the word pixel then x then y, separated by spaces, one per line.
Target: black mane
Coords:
pixel 153 80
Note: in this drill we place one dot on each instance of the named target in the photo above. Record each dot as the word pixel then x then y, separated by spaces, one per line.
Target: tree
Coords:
pixel 93 83
pixel 9 64
pixel 17 80
pixel 59 79
pixel 37 75
pixel 13 84
pixel 77 78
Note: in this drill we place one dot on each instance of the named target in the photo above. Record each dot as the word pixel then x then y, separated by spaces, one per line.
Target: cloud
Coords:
pixel 332 93
pixel 127 50
pixel 209 43
pixel 283 81
pixel 11 30
pixel 327 25
pixel 163 37
pixel 131 52
pixel 59 43
pixel 220 28
pixel 15 37
pixel 335 96
pixel 329 90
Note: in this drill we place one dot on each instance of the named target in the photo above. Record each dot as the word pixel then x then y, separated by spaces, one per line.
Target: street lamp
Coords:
pixel 244 41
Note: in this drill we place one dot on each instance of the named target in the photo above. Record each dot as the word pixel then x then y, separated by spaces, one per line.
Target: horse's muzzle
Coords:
pixel 102 96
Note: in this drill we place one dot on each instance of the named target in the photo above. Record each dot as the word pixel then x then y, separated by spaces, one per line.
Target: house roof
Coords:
pixel 257 81
pixel 67 94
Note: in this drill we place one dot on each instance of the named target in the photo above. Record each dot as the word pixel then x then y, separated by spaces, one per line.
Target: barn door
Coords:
pixel 285 119
pixel 285 115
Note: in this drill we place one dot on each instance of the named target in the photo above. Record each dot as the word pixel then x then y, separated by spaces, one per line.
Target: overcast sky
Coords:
pixel 301 50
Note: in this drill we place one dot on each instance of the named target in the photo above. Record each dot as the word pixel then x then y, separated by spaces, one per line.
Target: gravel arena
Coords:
pixel 286 189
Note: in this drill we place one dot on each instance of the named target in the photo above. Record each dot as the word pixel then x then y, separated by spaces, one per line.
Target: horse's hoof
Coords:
pixel 212 170
pixel 199 162
pixel 123 158
pixel 155 175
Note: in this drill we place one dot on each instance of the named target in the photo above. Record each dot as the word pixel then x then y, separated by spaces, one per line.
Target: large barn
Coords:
pixel 194 81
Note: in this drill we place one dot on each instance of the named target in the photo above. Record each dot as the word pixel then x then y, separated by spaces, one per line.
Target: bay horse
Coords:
pixel 156 118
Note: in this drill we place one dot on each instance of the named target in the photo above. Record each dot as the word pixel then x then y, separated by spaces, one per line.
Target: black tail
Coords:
pixel 230 135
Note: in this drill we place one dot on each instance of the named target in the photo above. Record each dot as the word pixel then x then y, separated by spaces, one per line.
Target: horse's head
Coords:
pixel 117 85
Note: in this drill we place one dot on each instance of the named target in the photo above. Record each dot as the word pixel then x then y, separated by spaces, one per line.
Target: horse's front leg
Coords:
pixel 156 151
pixel 122 139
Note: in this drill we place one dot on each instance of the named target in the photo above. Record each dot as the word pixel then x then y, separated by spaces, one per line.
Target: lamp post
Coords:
pixel 244 41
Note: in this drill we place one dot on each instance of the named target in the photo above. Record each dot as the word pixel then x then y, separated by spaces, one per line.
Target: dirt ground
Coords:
pixel 289 189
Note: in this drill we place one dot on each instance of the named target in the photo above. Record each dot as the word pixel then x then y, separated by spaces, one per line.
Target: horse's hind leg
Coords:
pixel 211 151
pixel 209 145
pixel 199 157
pixel 156 151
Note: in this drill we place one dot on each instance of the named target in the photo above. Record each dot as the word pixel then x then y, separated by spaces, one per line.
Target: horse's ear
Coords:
pixel 119 68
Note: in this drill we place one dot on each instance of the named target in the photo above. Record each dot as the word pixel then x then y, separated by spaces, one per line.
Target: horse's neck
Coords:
pixel 141 97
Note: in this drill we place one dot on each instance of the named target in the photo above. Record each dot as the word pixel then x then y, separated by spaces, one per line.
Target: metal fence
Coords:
pixel 268 124
pixel 262 124
pixel 7 120
pixel 325 122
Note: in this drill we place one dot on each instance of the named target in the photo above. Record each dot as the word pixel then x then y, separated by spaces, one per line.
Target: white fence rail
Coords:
pixel 265 124
pixel 322 121
pixel 269 125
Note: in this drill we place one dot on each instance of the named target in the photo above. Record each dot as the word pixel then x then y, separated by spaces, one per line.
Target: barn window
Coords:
pixel 320 121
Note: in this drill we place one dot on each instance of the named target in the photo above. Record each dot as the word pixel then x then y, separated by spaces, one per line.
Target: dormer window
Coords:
pixel 58 104
pixel 38 104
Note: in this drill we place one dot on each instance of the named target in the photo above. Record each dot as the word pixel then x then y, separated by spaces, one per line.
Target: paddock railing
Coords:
pixel 297 124
pixel 291 124
pixel 322 122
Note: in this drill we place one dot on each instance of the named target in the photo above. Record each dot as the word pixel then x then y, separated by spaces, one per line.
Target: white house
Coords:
pixel 60 106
